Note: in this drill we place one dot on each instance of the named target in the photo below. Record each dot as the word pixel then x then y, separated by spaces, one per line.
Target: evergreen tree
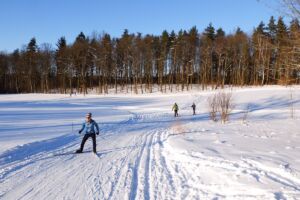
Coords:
pixel 32 46
pixel 261 29
pixel 281 32
pixel 62 62
pixel 220 33
pixel 294 29
pixel 294 59
pixel 4 73
pixel 239 31
pixel 80 61
pixel 272 28
pixel 282 41
pixel 31 64
pixel 80 37
pixel 210 32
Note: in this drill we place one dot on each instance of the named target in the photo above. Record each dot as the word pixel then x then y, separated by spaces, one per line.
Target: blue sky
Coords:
pixel 47 20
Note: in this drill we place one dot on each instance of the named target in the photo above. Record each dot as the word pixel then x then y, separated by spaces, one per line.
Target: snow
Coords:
pixel 146 153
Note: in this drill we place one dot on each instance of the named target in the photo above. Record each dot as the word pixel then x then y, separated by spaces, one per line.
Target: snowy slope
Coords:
pixel 145 153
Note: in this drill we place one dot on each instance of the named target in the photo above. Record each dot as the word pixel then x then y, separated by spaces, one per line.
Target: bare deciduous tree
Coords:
pixel 225 102
pixel 221 103
pixel 213 106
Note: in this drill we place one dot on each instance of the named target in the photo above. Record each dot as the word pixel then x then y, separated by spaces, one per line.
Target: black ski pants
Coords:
pixel 175 113
pixel 84 139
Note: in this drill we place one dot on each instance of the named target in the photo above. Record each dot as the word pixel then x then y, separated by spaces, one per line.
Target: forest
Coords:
pixel 172 61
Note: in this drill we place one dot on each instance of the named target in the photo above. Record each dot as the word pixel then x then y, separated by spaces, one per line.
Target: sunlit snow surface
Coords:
pixel 146 153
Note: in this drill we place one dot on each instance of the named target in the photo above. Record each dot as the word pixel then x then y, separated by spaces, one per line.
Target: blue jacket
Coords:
pixel 89 127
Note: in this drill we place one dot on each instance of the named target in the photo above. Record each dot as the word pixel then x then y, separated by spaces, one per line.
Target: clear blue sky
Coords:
pixel 47 20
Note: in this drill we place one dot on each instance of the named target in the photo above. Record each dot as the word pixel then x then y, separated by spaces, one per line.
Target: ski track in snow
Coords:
pixel 140 162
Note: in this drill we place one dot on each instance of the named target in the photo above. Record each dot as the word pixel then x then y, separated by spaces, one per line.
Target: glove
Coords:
pixel 97 133
pixel 79 132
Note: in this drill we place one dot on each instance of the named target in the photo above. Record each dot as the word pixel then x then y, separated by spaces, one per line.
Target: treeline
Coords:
pixel 170 61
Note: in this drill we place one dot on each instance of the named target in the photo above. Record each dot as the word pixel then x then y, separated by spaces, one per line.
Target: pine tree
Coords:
pixel 294 29
pixel 271 32
pixel 261 29
pixel 45 58
pixel 282 56
pixel 208 59
pixel 4 75
pixel 281 32
pixel 80 37
pixel 32 46
pixel 220 33
pixel 80 61
pixel 62 62
pixel 295 52
pixel 239 31
pixel 193 52
pixel 210 32
pixel 31 63
pixel 106 50
pixel 163 59
pixel 272 28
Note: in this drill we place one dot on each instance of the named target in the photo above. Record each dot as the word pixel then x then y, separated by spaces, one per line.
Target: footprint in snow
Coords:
pixel 219 141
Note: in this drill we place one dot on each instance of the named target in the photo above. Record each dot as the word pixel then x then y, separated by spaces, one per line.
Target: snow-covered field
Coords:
pixel 146 153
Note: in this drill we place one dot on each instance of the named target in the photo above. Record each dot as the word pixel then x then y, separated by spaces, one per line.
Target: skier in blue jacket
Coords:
pixel 90 128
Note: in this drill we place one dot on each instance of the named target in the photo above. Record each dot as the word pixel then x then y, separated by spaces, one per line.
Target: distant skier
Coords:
pixel 90 128
pixel 194 108
pixel 175 109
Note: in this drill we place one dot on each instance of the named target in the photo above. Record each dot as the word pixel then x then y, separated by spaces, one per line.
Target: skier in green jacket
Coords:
pixel 175 109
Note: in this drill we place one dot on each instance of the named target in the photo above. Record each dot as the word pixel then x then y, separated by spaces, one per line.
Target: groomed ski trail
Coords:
pixel 136 162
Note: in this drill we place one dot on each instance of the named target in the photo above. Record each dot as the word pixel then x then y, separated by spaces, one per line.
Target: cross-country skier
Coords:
pixel 175 108
pixel 90 128
pixel 194 108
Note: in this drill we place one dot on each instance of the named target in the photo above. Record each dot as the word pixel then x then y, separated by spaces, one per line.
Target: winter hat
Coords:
pixel 88 115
